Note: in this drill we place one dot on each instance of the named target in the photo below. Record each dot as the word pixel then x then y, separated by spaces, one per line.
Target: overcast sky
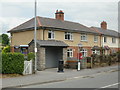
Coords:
pixel 90 13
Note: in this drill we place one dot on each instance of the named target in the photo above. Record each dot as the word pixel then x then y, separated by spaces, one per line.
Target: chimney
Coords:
pixel 59 15
pixel 104 25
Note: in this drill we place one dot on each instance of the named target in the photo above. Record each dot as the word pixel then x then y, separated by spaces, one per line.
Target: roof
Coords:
pixel 50 43
pixel 107 32
pixel 53 23
pixel 95 48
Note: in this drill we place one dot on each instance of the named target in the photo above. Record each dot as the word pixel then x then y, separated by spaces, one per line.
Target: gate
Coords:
pixel 27 67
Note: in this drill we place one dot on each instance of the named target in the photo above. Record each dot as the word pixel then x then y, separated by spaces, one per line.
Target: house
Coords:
pixel 56 39
pixel 109 38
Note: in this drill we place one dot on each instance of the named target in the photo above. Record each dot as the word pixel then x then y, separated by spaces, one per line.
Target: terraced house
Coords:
pixel 58 39
pixel 110 39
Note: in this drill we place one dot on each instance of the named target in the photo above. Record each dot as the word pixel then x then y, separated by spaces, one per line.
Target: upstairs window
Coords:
pixel 113 40
pixel 83 37
pixel 105 39
pixel 68 36
pixel 70 53
pixel 51 34
pixel 95 38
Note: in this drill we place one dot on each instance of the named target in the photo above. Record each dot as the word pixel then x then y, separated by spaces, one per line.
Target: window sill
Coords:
pixel 68 40
pixel 105 42
pixel 95 41
pixel 51 39
pixel 84 41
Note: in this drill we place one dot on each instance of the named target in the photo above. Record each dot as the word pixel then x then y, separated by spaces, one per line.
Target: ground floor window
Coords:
pixel 96 52
pixel 70 53
pixel 113 51
pixel 84 52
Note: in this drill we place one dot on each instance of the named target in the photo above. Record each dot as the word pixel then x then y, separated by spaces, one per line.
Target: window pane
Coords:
pixel 83 37
pixel 65 36
pixel 68 37
pixel 95 38
pixel 53 34
pixel 71 37
pixel 113 40
pixel 49 35
pixel 68 54
pixel 105 39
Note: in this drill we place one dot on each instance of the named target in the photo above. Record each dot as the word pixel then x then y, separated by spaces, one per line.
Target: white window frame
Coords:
pixel 70 51
pixel 52 34
pixel 70 36
pixel 96 52
pixel 95 38
pixel 113 51
pixel 104 39
pixel 84 52
pixel 83 37
pixel 113 40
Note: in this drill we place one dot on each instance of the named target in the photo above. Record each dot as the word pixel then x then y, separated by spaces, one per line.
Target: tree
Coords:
pixel 5 40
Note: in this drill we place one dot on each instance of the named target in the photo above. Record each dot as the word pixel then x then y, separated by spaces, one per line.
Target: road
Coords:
pixel 100 80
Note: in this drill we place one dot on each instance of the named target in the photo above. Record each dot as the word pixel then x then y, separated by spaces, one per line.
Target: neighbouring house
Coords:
pixel 110 39
pixel 57 39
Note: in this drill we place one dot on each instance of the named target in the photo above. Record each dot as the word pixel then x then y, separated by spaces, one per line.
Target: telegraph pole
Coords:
pixel 35 31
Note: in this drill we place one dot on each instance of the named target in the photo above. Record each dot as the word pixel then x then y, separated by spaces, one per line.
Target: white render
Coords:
pixel 109 42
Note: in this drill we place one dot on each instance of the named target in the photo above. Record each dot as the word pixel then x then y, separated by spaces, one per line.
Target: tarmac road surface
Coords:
pixel 102 80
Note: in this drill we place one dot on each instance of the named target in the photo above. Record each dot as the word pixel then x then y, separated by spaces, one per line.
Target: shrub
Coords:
pixel 31 56
pixel 12 63
pixel 118 55
pixel 94 58
pixel 6 49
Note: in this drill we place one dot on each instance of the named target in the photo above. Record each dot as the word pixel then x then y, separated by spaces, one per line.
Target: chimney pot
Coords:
pixel 56 11
pixel 104 25
pixel 59 15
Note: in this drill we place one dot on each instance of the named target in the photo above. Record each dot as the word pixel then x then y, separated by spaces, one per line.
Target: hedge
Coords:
pixel 6 49
pixel 31 56
pixel 12 63
pixel 105 59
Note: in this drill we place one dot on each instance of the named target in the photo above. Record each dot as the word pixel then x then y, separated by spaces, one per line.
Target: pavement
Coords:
pixel 51 75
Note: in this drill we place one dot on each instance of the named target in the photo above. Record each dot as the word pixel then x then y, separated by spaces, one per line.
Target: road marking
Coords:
pixel 110 85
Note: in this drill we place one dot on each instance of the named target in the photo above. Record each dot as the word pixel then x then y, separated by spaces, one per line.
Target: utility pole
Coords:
pixel 35 31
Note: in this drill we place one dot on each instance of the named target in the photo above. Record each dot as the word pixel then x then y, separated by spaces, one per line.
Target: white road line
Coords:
pixel 110 85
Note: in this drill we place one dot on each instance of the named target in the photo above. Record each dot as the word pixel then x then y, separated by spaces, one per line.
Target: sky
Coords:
pixel 86 12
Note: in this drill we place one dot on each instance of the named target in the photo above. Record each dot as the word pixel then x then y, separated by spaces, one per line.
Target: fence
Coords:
pixel 28 67
pixel 73 63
